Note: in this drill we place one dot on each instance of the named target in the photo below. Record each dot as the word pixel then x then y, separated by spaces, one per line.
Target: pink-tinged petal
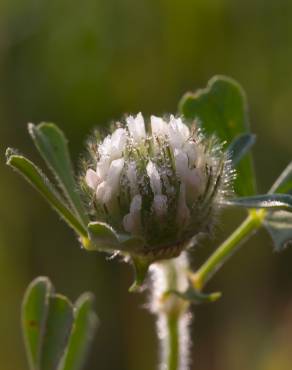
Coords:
pixel 91 179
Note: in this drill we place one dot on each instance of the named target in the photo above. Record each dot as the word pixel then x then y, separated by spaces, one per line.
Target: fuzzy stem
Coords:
pixel 172 313
pixel 251 224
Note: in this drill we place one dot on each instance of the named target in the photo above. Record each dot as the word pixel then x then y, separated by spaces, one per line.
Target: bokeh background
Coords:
pixel 82 64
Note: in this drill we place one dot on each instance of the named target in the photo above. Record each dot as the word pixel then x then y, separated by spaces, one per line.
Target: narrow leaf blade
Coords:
pixel 37 179
pixel 268 201
pixel 85 324
pixel 279 224
pixel 57 331
pixel 35 308
pixel 53 147
pixel 222 109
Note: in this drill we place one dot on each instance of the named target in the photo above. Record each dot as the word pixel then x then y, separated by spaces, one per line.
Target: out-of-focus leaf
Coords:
pixel 240 147
pixel 34 314
pixel 279 226
pixel 85 324
pixel 196 297
pixel 53 147
pixel 269 201
pixel 36 178
pixel 57 330
pixel 284 182
pixel 222 110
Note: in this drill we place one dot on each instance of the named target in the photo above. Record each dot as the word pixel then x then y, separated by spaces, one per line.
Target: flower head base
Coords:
pixel 161 184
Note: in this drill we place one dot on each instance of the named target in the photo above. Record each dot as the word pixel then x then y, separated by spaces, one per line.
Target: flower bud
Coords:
pixel 162 183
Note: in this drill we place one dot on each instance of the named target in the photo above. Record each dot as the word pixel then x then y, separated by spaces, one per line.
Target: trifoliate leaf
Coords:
pixel 222 110
pixel 85 324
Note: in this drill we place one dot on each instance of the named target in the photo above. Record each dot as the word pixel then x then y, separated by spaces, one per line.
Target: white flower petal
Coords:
pixel 136 204
pixel 154 177
pixel 104 148
pixel 118 143
pixel 158 126
pixel 181 164
pixel 92 179
pixel 136 127
pixel 102 167
pixel 103 192
pixel 178 132
pixel 113 177
pixel 132 221
pixel 160 205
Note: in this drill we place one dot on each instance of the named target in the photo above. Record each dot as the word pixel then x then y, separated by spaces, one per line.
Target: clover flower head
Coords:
pixel 161 183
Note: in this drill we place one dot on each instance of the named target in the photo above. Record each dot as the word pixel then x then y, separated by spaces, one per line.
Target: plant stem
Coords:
pixel 173 342
pixel 172 312
pixel 228 248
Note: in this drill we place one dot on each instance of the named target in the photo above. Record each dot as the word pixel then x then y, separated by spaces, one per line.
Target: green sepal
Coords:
pixel 85 324
pixel 272 202
pixel 196 297
pixel 141 267
pixel 53 147
pixel 40 182
pixel 240 146
pixel 103 237
pixel 222 110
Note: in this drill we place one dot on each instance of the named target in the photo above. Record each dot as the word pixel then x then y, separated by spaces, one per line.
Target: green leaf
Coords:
pixel 85 324
pixel 279 226
pixel 284 182
pixel 53 147
pixel 222 110
pixel 37 179
pixel 196 297
pixel 34 314
pixel 57 330
pixel 240 146
pixel 269 201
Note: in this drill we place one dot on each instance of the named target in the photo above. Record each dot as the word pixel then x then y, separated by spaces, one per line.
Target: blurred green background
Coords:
pixel 82 64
